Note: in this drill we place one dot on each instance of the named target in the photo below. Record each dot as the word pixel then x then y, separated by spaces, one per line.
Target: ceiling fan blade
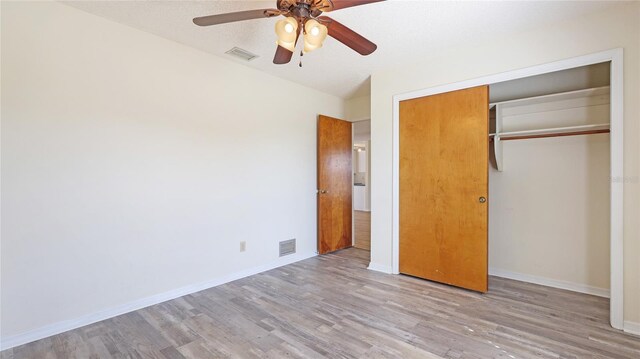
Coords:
pixel 332 5
pixel 348 37
pixel 283 56
pixel 235 16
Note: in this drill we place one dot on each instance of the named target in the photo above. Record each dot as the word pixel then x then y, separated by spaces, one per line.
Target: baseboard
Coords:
pixel 379 268
pixel 576 287
pixel 631 327
pixel 63 326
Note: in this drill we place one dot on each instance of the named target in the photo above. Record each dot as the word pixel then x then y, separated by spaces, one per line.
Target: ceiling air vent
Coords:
pixel 242 54
pixel 287 247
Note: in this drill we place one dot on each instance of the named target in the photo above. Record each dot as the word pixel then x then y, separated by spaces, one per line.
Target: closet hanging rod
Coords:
pixel 556 134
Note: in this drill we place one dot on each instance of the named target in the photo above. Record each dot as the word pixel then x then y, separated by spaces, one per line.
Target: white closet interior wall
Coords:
pixel 549 207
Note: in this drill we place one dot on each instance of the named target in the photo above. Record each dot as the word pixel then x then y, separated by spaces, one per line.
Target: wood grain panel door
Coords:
pixel 335 184
pixel 444 151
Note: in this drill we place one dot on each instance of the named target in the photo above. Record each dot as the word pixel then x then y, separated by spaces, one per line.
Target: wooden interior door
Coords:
pixel 444 159
pixel 335 184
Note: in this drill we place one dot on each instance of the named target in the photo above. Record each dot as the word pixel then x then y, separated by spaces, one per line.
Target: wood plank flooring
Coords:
pixel 362 230
pixel 332 306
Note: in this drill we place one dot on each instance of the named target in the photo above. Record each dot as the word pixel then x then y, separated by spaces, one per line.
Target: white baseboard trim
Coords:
pixel 631 327
pixel 379 268
pixel 66 325
pixel 555 283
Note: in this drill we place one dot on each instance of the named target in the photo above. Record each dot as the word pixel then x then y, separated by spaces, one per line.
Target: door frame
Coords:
pixel 615 57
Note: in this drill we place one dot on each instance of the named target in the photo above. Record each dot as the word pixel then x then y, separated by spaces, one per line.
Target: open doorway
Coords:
pixel 344 190
pixel 362 184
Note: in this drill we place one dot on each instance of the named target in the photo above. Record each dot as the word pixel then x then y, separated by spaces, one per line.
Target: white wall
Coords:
pixel 133 165
pixel 358 109
pixel 617 27
pixel 549 212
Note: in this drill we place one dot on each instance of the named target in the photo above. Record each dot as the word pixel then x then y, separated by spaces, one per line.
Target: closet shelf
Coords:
pixel 546 105
pixel 589 92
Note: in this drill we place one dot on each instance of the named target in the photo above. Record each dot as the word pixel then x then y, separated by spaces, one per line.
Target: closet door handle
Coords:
pixel 482 199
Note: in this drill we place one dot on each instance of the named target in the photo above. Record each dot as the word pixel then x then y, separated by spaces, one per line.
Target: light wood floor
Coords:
pixel 331 306
pixel 362 230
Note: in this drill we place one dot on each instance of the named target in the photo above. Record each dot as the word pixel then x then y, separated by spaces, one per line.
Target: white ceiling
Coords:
pixel 403 30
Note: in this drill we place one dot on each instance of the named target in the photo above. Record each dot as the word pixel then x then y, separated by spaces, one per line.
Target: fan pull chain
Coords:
pixel 301 54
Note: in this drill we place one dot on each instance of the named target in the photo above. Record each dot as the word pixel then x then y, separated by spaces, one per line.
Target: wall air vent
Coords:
pixel 242 54
pixel 287 247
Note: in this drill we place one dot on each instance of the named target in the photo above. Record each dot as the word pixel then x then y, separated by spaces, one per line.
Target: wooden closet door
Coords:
pixel 444 148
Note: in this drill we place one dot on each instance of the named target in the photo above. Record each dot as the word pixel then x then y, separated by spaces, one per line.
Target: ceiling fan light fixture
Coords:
pixel 287 31
pixel 300 15
pixel 314 35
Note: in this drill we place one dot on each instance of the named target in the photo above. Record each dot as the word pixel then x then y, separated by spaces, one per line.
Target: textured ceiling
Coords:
pixel 403 31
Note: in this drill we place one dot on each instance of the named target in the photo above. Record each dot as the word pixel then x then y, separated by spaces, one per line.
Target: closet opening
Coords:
pixel 549 199
pixel 555 199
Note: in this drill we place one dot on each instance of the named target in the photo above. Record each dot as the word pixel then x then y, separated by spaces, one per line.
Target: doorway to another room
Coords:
pixel 362 184
pixel 344 191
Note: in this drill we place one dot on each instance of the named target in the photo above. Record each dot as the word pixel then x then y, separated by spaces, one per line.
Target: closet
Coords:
pixel 548 185
pixel 549 200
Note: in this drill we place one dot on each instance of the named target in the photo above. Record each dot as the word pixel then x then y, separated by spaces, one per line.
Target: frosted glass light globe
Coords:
pixel 314 35
pixel 287 31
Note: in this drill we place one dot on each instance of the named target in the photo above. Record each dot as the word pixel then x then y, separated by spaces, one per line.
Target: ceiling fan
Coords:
pixel 301 16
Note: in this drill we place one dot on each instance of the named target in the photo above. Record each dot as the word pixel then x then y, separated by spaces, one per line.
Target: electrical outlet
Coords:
pixel 243 246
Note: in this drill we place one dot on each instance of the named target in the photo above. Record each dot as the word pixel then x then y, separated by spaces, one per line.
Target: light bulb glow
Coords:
pixel 288 28
pixel 315 31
